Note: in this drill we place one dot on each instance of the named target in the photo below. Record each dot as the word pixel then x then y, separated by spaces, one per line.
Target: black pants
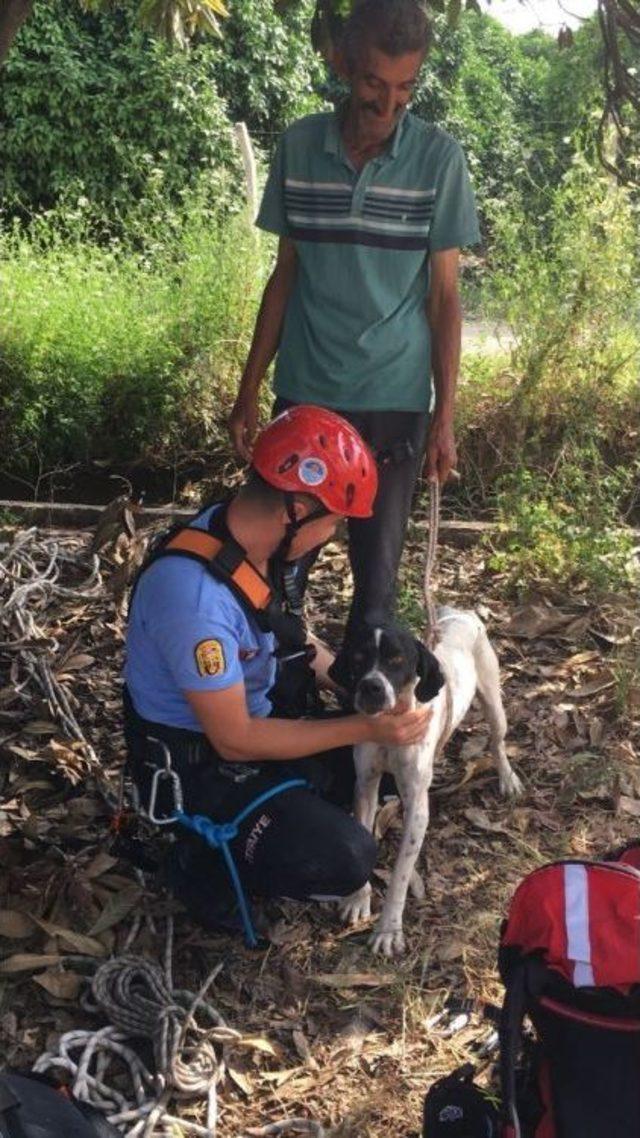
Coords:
pixel 375 544
pixel 302 843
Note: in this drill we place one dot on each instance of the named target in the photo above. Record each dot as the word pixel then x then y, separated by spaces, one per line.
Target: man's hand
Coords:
pixel 400 730
pixel 441 454
pixel 243 424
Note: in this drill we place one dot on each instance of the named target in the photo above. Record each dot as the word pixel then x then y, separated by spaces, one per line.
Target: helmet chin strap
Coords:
pixel 294 524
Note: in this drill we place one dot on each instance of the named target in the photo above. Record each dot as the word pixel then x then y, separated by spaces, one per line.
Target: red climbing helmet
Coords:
pixel 310 450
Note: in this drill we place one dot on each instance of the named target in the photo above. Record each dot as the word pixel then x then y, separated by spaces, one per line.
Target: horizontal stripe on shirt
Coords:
pixel 354 222
pixel 359 237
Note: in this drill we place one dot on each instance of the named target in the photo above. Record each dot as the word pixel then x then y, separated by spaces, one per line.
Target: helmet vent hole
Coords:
pixel 288 463
pixel 323 441
pixel 350 493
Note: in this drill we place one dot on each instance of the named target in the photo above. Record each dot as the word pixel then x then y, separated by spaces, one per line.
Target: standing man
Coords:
pixel 371 206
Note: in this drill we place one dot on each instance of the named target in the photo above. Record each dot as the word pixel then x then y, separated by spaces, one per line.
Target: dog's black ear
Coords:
pixel 430 677
pixel 342 671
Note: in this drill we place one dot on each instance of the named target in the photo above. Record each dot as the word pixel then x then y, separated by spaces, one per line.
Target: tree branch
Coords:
pixel 13 14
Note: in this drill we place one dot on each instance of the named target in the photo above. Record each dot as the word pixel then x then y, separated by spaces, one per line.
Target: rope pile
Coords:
pixel 138 999
pixel 31 568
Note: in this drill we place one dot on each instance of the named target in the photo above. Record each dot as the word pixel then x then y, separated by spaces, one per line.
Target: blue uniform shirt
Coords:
pixel 187 632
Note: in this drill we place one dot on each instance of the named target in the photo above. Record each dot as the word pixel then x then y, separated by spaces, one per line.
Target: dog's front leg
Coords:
pixel 357 907
pixel 387 937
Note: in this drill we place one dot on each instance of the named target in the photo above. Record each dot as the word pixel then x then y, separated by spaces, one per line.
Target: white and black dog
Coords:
pixel 386 666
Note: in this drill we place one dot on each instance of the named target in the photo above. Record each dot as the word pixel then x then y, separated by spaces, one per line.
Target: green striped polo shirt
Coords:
pixel 355 333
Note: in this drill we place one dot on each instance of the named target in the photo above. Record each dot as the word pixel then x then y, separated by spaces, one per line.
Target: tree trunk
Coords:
pixel 13 14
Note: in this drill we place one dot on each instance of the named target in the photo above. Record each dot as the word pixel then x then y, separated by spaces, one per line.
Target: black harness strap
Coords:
pixel 225 559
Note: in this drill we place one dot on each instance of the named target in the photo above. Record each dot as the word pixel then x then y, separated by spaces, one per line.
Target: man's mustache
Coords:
pixel 374 109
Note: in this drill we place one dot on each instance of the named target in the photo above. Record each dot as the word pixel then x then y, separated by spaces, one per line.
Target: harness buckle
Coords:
pixel 162 774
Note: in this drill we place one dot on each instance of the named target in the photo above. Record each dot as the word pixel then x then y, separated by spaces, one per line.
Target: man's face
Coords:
pixel 381 87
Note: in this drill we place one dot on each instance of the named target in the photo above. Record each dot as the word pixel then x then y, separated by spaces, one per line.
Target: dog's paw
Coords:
pixel 510 785
pixel 356 907
pixel 387 942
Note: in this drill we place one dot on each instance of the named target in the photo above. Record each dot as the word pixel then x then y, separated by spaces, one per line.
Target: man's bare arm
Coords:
pixel 444 315
pixel 240 737
pixel 243 421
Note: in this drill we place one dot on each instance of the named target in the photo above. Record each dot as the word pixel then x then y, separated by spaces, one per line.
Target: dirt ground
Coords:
pixel 328 1032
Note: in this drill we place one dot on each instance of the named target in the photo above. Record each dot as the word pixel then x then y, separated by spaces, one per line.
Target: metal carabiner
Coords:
pixel 160 775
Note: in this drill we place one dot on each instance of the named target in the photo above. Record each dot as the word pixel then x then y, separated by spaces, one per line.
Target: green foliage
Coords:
pixel 488 91
pixel 566 527
pixel 555 435
pixel 266 68
pixel 114 353
pixel 521 106
pixel 572 297
pixel 91 106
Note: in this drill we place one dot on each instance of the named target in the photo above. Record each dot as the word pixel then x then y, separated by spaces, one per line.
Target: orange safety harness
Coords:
pixel 226 560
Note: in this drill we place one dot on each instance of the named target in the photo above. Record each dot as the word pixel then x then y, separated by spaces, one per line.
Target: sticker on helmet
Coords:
pixel 210 659
pixel 312 471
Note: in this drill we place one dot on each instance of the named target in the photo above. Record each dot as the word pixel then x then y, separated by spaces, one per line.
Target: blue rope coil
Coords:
pixel 218 835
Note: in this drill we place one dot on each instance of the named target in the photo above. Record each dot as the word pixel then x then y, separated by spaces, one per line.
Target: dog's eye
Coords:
pixel 396 659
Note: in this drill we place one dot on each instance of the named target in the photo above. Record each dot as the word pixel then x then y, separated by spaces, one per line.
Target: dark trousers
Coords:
pixel 398 439
pixel 302 843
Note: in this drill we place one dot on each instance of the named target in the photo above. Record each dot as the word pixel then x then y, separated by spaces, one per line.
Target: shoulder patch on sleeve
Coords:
pixel 210 659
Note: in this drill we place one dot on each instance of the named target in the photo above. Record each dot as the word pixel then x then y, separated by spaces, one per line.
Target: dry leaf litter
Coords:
pixel 313 1036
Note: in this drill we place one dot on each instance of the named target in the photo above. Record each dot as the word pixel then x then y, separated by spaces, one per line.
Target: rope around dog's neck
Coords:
pixel 431 635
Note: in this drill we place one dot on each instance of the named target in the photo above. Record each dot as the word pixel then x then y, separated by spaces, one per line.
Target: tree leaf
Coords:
pixel 100 864
pixel 15 925
pixel 481 819
pixel 77 942
pixel 354 979
pixel 78 662
pixel 40 727
pixel 258 1043
pixel 116 909
pixel 62 985
pixel 28 962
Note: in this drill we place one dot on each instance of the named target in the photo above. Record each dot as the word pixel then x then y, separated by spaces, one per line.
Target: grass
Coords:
pixel 549 432
pixel 116 351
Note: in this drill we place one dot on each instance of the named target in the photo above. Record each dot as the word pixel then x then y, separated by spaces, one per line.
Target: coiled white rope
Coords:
pixel 30 569
pixel 138 999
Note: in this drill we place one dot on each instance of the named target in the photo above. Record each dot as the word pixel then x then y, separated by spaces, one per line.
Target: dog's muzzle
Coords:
pixel 374 694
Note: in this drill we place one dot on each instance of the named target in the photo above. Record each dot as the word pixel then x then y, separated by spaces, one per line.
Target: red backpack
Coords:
pixel 570 961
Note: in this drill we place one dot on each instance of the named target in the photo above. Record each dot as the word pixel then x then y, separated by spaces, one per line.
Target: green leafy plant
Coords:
pixel 567 527
pixel 92 107
pixel 116 352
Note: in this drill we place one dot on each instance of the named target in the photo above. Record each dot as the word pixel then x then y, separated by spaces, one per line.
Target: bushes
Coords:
pixel 555 434
pixel 90 106
pixel 483 86
pixel 111 353
pixel 265 66
pixel 567 526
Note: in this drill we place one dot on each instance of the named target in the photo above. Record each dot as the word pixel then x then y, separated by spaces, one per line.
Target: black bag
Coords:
pixel 31 1106
pixel 456 1108
pixel 570 961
